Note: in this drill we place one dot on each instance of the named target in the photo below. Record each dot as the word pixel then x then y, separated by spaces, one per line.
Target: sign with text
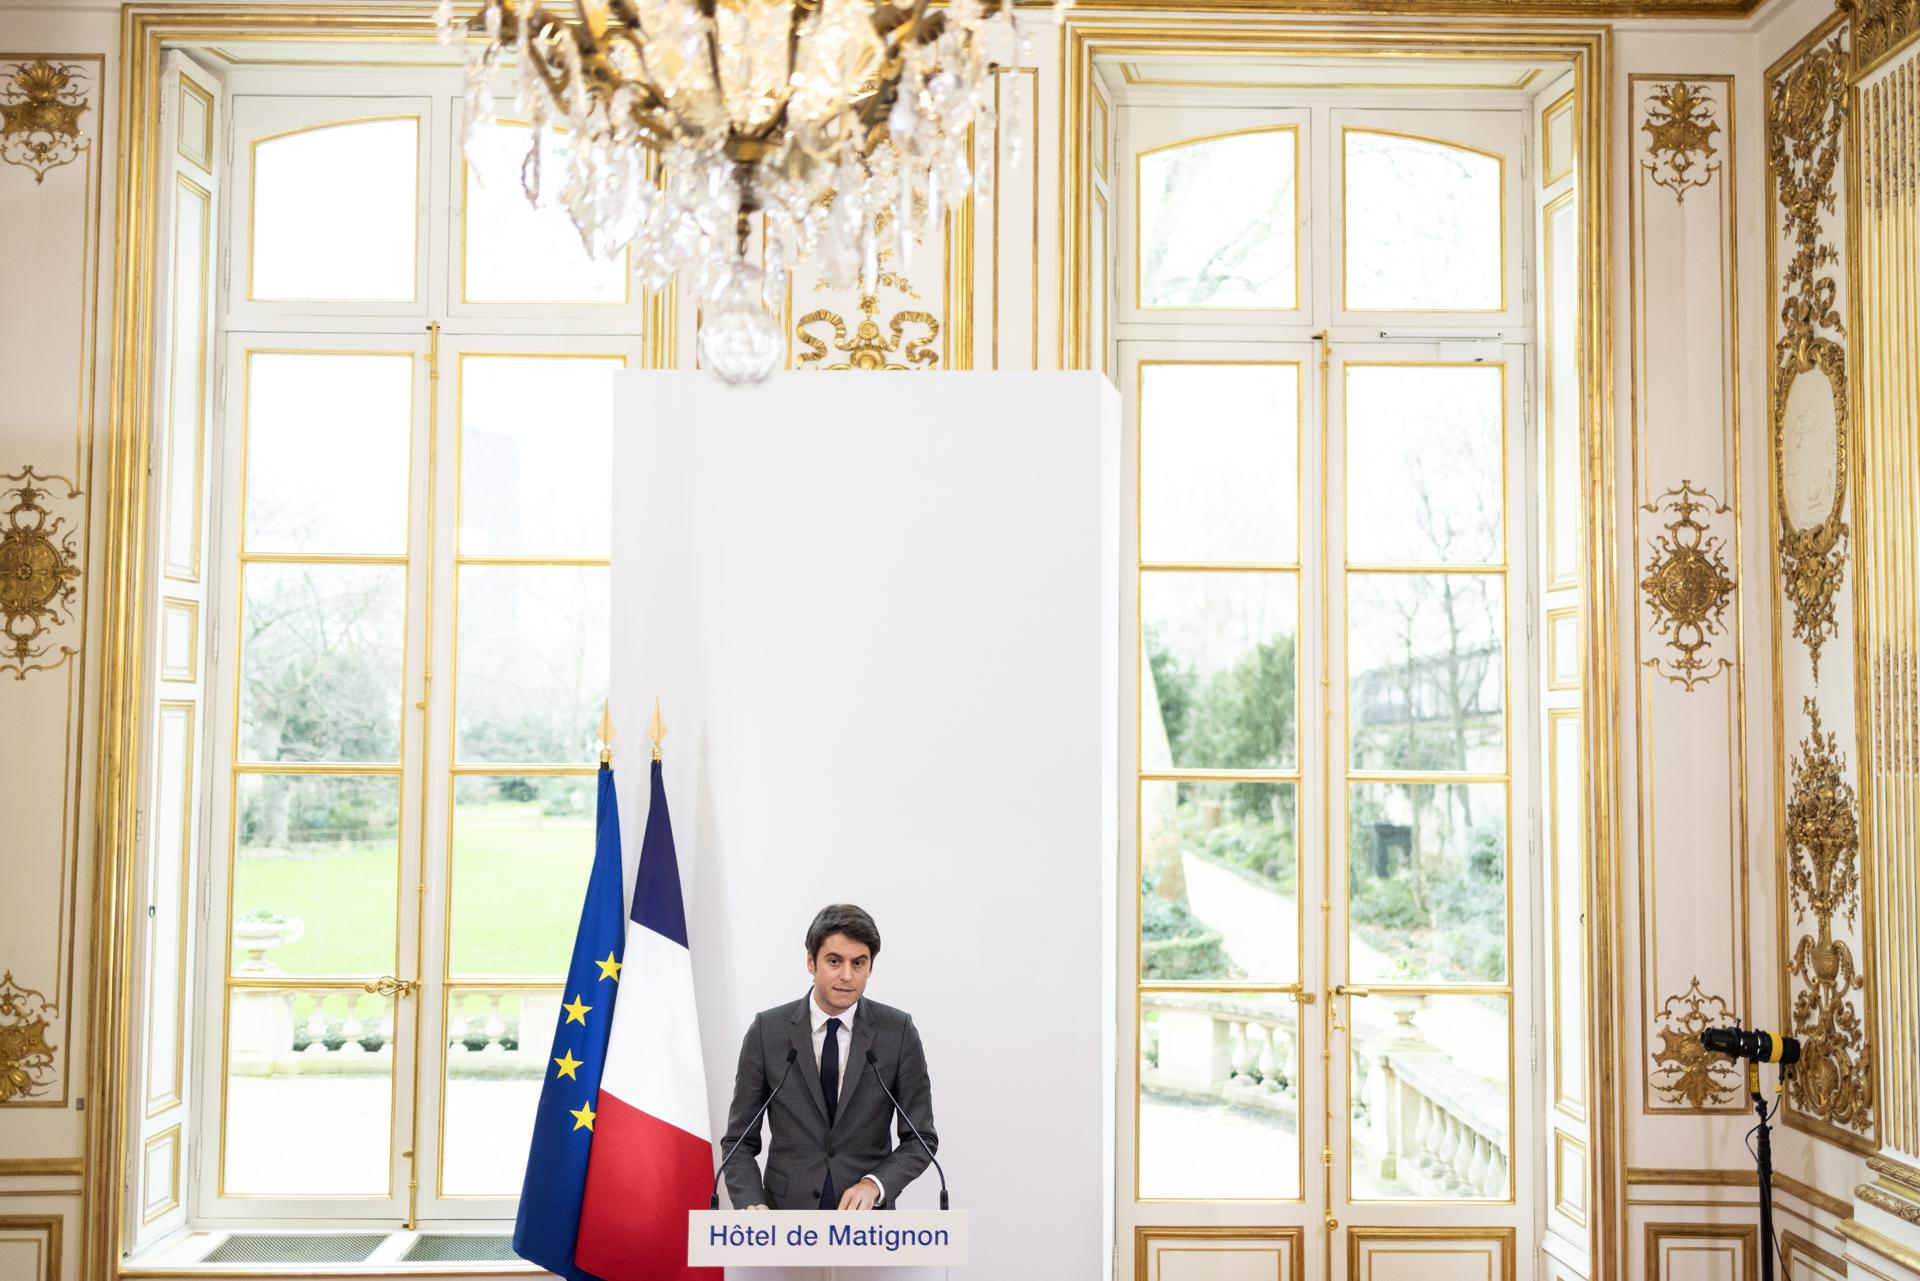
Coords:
pixel 826 1238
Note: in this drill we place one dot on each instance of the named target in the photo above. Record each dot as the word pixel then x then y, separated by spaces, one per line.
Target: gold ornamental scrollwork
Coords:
pixel 38 570
pixel 41 103
pixel 1834 1078
pixel 26 1056
pixel 1879 27
pixel 869 348
pixel 1688 1073
pixel 1805 117
pixel 1688 585
pixel 1680 128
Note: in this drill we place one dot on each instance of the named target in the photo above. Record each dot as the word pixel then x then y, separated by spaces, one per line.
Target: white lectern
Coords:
pixel 827 1238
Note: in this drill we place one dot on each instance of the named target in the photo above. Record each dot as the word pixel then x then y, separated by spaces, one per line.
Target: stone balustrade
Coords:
pixel 1423 1126
pixel 344 1031
pixel 1426 1126
pixel 1220 1047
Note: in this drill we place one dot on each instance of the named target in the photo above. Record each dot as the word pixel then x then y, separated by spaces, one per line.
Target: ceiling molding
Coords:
pixel 1505 9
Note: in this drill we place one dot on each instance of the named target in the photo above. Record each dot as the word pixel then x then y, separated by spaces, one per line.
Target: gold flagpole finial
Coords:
pixel 656 729
pixel 606 734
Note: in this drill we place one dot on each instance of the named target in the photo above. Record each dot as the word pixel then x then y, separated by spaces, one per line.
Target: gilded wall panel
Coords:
pixel 1204 1254
pixel 1702 1252
pixel 1886 474
pixel 1689 673
pixel 1822 929
pixel 30 1246
pixel 51 160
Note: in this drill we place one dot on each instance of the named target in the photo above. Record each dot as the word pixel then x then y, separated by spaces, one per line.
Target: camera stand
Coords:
pixel 1763 1159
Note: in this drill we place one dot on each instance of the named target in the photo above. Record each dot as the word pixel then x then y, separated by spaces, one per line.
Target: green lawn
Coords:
pixel 518 877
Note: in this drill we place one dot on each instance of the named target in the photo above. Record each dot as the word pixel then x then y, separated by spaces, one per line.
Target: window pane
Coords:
pixel 1427 880
pixel 1427 671
pixel 320 654
pixel 519 252
pixel 328 443
pixel 1424 471
pixel 1431 1109
pixel 497 1044
pixel 1423 225
pixel 1218 224
pixel 1219 462
pixel 1218 894
pixel 335 214
pixel 1219 1096
pixel 533 664
pixel 522 850
pixel 315 875
pixel 309 1093
pixel 536 438
pixel 1218 673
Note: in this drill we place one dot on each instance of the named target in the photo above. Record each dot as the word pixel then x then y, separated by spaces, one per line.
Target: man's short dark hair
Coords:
pixel 842 918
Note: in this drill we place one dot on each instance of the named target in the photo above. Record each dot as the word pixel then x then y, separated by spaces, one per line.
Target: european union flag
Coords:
pixel 549 1219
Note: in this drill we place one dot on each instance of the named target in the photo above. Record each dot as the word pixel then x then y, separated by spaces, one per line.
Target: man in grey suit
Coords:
pixel 831 1148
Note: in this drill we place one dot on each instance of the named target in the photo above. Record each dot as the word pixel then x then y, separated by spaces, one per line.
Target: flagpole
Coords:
pixel 606 735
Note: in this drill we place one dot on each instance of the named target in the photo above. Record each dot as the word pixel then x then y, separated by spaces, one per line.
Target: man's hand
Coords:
pixel 760 1206
pixel 863 1195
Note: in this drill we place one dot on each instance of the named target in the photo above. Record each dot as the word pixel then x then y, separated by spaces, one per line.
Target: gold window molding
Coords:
pixel 1127 35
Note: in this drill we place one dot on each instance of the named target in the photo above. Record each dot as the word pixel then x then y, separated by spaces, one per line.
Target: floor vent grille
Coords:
pixel 330 1247
pixel 460 1247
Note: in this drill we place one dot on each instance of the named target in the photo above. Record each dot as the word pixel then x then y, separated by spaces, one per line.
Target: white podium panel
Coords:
pixel 881 618
pixel 830 1238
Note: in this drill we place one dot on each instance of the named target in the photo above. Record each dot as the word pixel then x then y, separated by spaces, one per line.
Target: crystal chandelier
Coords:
pixel 666 126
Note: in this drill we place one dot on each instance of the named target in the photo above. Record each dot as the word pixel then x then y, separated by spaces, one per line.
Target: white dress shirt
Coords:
pixel 820 1017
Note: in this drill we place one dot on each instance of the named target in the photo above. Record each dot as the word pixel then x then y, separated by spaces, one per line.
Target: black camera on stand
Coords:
pixel 1756 1048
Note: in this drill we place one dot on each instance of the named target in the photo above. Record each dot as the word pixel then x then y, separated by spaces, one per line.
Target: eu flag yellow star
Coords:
pixel 609 968
pixel 583 1118
pixel 576 1012
pixel 567 1064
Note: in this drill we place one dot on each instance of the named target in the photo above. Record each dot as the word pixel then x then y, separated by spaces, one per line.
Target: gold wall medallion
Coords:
pixel 868 348
pixel 1688 585
pixel 1834 1079
pixel 1809 412
pixel 1689 1074
pixel 38 568
pixel 26 1056
pixel 41 104
pixel 1680 128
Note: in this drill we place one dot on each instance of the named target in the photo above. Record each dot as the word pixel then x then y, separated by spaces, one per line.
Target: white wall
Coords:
pixel 881 617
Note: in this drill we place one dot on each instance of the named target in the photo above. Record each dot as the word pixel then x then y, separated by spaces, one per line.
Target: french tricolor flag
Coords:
pixel 652 1160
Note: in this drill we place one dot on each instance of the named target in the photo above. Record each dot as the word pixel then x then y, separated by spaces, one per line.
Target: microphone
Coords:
pixel 713 1202
pixel 874 1064
pixel 1761 1047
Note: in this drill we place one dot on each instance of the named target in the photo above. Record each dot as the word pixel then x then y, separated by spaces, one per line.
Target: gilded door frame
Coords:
pixel 1588 51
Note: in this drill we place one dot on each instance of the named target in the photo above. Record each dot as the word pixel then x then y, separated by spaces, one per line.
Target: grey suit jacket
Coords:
pixel 804 1148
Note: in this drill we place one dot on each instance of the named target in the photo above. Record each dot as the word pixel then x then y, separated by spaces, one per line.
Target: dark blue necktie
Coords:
pixel 830 1091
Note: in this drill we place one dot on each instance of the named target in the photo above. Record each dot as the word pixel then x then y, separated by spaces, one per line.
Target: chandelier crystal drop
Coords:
pixel 826 125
